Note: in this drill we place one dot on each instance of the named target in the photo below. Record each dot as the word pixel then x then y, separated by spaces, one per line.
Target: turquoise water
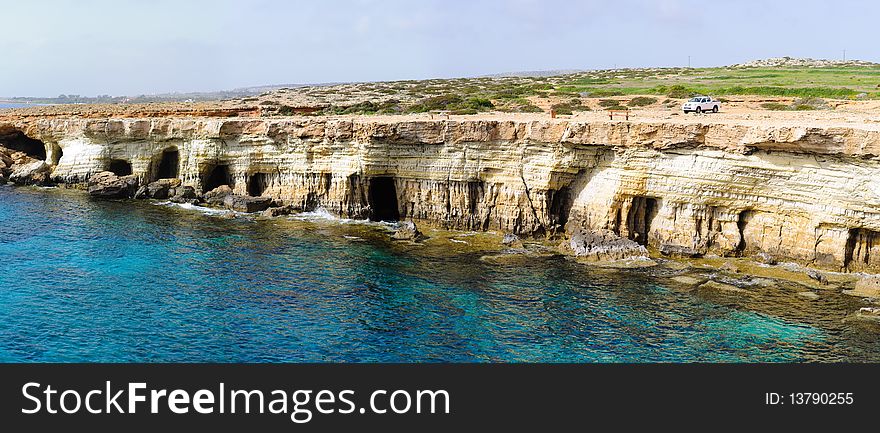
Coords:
pixel 86 280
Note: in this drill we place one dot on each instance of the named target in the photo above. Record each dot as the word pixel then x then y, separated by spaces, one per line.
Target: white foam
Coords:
pixel 192 207
pixel 323 215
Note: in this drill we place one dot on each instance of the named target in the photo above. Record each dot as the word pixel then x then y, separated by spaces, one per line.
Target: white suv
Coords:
pixel 700 104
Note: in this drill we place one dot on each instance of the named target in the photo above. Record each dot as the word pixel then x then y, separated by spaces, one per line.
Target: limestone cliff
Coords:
pixel 806 193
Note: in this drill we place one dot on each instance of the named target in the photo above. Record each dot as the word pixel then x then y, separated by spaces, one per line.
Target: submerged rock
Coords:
pixel 107 184
pixel 158 190
pixel 408 231
pixel 279 211
pixel 604 245
pixel 722 287
pixel 241 203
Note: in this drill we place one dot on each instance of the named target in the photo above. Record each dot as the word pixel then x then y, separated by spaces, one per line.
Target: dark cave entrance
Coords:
pixel 641 212
pixel 217 176
pixel 169 165
pixel 859 244
pixel 560 206
pixel 257 184
pixel 383 199
pixel 119 167
pixel 22 143
pixel 741 223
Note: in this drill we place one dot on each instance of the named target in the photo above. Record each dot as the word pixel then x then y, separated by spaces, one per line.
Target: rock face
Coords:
pixel 868 287
pixel 107 184
pixel 604 245
pixel 795 192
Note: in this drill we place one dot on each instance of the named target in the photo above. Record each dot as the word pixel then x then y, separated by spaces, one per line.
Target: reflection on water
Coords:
pixel 88 280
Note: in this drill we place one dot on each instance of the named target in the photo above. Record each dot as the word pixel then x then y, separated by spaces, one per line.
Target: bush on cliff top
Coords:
pixel 453 103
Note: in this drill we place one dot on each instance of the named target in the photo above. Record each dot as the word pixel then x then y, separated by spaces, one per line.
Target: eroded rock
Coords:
pixel 867 287
pixel 157 190
pixel 107 184
pixel 240 203
pixel 184 194
pixel 217 196
pixel 33 172
pixel 604 245
pixel 680 251
pixel 408 231
pixel 279 211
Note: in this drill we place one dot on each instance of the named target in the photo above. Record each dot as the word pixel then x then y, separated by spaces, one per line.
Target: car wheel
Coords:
pixel 699 110
pixel 715 109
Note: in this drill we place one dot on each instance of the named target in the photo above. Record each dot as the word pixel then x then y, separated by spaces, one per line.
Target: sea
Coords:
pixel 85 280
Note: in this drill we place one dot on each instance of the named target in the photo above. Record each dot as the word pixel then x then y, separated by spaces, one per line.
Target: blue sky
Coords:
pixel 123 47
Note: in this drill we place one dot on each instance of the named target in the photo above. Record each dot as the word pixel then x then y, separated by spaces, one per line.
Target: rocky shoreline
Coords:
pixel 603 190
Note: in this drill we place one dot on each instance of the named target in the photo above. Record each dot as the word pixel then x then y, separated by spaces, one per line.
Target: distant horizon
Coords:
pixel 13 98
pixel 130 48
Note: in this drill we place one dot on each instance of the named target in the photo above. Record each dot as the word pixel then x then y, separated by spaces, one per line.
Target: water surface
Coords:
pixel 87 280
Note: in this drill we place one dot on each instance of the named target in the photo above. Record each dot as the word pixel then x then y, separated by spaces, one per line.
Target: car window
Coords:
pixel 694 100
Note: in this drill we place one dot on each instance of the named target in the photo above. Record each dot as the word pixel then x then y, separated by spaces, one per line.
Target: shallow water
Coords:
pixel 87 280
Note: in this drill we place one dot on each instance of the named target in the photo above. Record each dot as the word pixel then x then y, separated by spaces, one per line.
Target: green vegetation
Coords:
pixel 641 101
pixel 453 103
pixel 566 92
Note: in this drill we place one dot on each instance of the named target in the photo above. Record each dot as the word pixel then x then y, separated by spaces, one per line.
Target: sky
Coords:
pixel 127 47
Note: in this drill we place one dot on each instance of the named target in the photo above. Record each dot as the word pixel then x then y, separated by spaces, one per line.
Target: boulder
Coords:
pixel 32 172
pixel 279 211
pixel 604 245
pixel 511 240
pixel 159 189
pixel 867 287
pixel 680 251
pixel 408 231
pixel 818 276
pixel 107 184
pixel 217 196
pixel 184 194
pixel 241 203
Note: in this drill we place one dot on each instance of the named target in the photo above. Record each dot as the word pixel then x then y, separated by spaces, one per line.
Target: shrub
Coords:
pixel 608 103
pixel 562 108
pixel 641 101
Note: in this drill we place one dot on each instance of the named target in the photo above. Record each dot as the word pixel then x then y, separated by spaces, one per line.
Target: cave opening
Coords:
pixel 20 142
pixel 169 165
pixel 119 167
pixel 642 211
pixel 257 184
pixel 383 199
pixel 217 176
pixel 741 223
pixel 560 206
pixel 859 244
